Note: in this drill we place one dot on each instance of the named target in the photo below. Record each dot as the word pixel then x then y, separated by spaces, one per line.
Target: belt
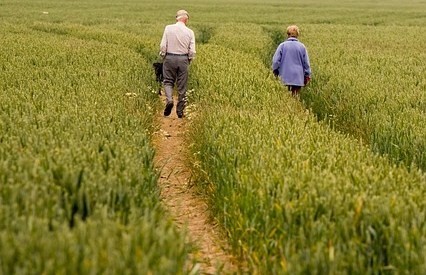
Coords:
pixel 177 54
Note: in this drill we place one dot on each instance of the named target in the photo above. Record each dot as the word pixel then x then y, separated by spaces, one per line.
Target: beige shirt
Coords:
pixel 178 39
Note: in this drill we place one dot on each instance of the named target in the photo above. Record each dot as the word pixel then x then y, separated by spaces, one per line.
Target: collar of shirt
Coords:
pixel 180 23
pixel 292 39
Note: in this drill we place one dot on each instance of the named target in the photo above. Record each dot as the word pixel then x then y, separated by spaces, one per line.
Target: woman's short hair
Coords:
pixel 293 31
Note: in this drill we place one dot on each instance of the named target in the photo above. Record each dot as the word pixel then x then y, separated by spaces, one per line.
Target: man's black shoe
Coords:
pixel 168 109
pixel 180 115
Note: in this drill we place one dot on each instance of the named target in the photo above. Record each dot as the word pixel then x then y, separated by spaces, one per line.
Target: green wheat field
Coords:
pixel 332 182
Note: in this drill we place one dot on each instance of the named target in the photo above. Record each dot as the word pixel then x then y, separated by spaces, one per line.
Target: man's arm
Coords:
pixel 163 44
pixel 191 52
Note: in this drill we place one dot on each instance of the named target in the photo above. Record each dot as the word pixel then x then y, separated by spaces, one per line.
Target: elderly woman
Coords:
pixel 291 62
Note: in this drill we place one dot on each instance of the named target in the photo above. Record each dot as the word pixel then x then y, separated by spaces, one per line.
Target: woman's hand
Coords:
pixel 307 79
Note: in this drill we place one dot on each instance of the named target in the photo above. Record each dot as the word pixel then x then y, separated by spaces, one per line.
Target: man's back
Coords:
pixel 178 39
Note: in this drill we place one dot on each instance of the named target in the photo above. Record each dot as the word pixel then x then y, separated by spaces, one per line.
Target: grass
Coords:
pixel 79 191
pixel 331 183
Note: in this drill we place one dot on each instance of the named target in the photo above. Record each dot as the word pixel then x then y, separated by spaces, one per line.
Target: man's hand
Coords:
pixel 276 72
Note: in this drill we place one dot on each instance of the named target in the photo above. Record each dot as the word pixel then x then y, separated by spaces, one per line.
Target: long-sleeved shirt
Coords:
pixel 178 39
pixel 292 61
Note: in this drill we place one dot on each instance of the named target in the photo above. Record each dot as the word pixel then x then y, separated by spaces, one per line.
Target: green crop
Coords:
pixel 293 195
pixel 332 182
pixel 78 186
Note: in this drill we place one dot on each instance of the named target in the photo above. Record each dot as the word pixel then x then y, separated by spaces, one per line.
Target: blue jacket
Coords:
pixel 292 60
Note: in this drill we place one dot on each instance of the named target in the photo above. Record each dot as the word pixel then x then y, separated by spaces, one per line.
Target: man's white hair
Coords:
pixel 182 14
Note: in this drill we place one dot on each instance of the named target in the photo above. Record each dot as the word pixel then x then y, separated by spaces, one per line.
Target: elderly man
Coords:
pixel 291 62
pixel 178 49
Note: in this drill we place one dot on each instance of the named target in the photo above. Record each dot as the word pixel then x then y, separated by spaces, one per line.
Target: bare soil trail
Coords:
pixel 188 210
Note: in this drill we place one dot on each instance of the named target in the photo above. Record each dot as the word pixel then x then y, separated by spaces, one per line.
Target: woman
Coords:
pixel 291 62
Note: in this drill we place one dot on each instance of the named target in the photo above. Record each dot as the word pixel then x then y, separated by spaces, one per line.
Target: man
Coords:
pixel 177 47
pixel 291 62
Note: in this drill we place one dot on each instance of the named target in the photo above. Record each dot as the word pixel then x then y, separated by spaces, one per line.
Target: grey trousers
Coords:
pixel 175 70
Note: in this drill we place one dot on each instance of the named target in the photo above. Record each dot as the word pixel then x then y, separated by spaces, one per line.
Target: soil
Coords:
pixel 189 210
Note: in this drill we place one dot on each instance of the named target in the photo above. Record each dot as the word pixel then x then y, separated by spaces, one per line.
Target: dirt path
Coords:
pixel 187 209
